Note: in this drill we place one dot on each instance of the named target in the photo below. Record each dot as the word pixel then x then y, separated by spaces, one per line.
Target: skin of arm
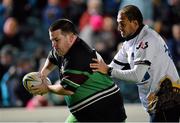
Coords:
pixel 45 87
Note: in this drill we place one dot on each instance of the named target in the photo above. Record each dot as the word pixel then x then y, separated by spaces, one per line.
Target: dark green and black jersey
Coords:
pixel 89 87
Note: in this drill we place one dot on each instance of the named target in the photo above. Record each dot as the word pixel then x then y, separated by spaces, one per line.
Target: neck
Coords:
pixel 136 33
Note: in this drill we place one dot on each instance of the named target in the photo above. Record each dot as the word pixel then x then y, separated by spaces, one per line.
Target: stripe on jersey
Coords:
pixel 126 65
pixel 98 96
pixel 145 62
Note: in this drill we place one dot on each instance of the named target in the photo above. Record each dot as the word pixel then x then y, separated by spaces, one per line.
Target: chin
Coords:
pixel 123 35
pixel 58 52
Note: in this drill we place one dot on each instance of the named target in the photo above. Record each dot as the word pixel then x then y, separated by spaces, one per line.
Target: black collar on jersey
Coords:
pixel 136 33
pixel 77 46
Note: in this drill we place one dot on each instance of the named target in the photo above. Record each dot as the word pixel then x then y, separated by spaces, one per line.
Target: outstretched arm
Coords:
pixel 135 75
pixel 44 88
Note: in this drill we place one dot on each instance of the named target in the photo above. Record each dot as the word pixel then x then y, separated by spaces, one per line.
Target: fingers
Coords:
pixel 95 60
pixel 94 65
pixel 39 74
pixel 35 90
pixel 43 78
pixel 95 70
pixel 39 89
pixel 34 87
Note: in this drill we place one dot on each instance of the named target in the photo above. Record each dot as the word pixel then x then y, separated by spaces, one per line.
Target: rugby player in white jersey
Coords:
pixel 145 60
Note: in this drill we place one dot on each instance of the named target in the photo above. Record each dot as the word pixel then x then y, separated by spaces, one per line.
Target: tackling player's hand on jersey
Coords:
pixel 99 66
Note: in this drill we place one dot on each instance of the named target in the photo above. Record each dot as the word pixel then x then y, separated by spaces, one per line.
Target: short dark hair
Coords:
pixel 64 25
pixel 133 13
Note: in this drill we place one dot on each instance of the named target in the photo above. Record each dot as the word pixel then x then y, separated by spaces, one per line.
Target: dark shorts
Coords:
pixel 109 109
pixel 166 115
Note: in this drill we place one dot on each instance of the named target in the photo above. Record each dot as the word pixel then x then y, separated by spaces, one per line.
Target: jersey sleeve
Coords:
pixel 120 60
pixel 53 58
pixel 144 54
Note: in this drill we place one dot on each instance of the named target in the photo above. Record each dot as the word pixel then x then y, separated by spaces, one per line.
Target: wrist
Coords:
pixel 49 88
pixel 42 76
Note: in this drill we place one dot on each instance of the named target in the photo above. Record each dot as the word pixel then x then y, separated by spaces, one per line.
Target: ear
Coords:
pixel 136 23
pixel 71 38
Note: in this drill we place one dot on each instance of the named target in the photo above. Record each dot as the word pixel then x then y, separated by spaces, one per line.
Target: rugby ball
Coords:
pixel 32 79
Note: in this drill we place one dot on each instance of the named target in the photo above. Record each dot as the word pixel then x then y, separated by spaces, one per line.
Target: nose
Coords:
pixel 119 27
pixel 53 44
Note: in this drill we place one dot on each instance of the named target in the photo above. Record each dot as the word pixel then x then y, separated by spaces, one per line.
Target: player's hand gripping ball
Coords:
pixel 32 79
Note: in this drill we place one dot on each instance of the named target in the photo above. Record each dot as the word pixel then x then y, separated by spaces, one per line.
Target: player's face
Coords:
pixel 60 41
pixel 126 27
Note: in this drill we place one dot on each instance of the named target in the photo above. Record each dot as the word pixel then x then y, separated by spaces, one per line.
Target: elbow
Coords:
pixel 138 78
pixel 69 93
pixel 134 78
pixel 139 72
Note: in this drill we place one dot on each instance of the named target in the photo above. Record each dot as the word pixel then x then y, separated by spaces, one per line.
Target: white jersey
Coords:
pixel 151 67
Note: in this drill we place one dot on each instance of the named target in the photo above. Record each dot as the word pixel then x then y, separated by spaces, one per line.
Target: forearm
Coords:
pixel 56 88
pixel 134 75
pixel 47 68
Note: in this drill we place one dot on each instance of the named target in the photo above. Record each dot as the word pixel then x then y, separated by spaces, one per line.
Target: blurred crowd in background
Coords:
pixel 24 39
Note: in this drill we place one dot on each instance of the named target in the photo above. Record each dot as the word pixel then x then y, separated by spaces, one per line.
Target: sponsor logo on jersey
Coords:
pixel 142 45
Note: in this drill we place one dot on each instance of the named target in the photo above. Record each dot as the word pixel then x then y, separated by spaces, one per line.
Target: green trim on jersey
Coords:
pixel 97 82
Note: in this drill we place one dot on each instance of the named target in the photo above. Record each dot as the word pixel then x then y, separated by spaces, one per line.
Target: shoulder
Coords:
pixel 149 35
pixel 53 57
